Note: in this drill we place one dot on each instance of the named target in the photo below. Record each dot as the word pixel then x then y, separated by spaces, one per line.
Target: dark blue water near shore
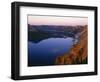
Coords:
pixel 45 52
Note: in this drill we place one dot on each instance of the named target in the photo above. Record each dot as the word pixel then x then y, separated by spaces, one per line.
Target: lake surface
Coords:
pixel 45 52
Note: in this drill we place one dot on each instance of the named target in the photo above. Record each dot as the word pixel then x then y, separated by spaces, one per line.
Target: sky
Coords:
pixel 56 20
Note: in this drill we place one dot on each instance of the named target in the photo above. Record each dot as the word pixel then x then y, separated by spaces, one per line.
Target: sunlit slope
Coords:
pixel 77 54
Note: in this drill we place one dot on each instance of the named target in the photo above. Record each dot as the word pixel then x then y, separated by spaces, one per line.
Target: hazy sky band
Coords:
pixel 56 20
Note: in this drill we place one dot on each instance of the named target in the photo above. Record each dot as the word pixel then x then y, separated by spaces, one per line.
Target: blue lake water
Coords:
pixel 45 52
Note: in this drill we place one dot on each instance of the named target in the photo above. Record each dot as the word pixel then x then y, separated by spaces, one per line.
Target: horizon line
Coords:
pixel 56 25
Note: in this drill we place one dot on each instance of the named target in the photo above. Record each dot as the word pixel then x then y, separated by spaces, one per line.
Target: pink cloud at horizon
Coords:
pixel 55 20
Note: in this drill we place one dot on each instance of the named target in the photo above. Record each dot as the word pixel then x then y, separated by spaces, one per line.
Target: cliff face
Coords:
pixel 77 54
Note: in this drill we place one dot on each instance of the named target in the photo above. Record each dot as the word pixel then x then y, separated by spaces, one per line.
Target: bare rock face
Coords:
pixel 77 54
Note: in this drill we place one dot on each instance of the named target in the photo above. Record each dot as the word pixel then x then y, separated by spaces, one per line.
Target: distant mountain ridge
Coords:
pixel 54 28
pixel 46 31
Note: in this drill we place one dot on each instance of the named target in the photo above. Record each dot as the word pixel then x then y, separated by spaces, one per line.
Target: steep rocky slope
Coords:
pixel 77 54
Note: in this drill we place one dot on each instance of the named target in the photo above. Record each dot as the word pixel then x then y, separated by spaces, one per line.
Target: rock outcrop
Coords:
pixel 77 54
